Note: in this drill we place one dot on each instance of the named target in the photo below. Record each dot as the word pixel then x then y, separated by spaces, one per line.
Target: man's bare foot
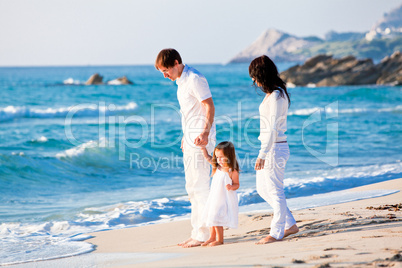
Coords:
pixel 192 243
pixel 292 230
pixel 208 242
pixel 266 240
pixel 215 243
pixel 185 242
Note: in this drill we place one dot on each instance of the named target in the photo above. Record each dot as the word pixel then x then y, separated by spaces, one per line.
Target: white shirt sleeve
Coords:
pixel 200 88
pixel 269 116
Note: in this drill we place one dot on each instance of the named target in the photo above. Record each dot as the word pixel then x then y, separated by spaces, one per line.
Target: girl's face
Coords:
pixel 221 158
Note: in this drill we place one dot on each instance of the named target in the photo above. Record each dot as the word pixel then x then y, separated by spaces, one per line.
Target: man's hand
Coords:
pixel 202 139
pixel 259 164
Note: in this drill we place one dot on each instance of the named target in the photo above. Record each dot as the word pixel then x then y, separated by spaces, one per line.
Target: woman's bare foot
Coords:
pixel 266 240
pixel 192 243
pixel 292 230
pixel 215 243
pixel 206 243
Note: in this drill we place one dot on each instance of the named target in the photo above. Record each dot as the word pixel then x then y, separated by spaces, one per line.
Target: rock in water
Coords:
pixel 324 70
pixel 95 79
pixel 120 81
pixel 391 70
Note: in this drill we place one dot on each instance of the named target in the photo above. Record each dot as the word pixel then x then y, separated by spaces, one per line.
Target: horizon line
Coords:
pixel 102 65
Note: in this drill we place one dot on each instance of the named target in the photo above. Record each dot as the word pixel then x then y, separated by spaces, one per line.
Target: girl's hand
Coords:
pixel 259 164
pixel 232 187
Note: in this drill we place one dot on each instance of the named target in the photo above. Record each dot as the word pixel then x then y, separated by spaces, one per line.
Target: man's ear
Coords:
pixel 176 62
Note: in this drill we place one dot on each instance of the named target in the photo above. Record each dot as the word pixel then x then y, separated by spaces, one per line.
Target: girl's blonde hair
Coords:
pixel 229 151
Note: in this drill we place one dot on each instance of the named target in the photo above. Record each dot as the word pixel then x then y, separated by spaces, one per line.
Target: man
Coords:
pixel 197 110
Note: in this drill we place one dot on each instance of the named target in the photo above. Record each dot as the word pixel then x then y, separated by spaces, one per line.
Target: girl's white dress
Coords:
pixel 222 207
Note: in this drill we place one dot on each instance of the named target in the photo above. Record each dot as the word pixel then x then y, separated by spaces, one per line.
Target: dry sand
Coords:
pixel 342 235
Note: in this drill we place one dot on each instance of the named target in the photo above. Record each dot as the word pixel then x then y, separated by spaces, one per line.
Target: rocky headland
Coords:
pixel 325 70
pixel 384 38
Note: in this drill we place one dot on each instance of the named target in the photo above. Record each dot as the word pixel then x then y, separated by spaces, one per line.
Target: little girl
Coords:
pixel 221 209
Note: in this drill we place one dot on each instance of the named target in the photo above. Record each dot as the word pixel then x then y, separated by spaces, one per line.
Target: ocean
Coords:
pixel 76 159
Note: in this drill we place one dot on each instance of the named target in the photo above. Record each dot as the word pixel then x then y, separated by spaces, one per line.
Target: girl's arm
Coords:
pixel 235 181
pixel 206 155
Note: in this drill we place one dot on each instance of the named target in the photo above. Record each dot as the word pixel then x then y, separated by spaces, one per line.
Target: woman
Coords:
pixel 274 153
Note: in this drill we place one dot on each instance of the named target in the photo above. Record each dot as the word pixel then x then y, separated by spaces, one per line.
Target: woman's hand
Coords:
pixel 259 164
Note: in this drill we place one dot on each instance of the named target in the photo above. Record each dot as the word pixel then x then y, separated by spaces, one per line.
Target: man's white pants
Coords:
pixel 197 173
pixel 270 187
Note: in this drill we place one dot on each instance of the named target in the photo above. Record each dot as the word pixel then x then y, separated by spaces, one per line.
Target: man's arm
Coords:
pixel 202 139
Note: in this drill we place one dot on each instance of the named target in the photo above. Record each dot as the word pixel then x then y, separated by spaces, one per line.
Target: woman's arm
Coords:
pixel 235 181
pixel 208 104
pixel 268 121
pixel 268 127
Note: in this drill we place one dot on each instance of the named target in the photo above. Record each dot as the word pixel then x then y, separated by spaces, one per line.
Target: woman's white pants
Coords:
pixel 270 188
pixel 197 173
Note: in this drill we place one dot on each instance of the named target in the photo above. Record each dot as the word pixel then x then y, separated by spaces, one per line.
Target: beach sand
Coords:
pixel 342 235
pixel 364 233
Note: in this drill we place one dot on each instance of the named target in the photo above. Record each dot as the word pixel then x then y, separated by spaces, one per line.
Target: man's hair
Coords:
pixel 166 58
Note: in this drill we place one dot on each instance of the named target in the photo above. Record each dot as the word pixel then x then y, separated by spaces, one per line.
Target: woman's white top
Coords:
pixel 273 117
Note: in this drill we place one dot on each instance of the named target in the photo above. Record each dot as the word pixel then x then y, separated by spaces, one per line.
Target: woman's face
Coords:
pixel 221 158
pixel 256 82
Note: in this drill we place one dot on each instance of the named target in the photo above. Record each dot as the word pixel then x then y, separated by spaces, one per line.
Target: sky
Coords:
pixel 132 32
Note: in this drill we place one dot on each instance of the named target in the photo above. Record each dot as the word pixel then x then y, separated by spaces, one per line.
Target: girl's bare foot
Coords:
pixel 192 243
pixel 215 243
pixel 266 240
pixel 292 230
pixel 185 242
pixel 206 243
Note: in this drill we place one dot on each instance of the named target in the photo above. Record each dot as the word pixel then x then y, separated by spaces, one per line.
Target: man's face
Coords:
pixel 170 72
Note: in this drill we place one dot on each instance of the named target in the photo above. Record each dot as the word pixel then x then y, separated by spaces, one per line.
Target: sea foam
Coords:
pixel 16 112
pixel 309 111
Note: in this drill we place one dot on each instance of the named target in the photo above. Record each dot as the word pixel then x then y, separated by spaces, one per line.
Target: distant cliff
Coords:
pixel 324 70
pixel 384 38
pixel 278 45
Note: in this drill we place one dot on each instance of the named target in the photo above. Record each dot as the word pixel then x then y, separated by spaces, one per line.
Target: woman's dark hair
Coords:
pixel 229 151
pixel 167 57
pixel 265 75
